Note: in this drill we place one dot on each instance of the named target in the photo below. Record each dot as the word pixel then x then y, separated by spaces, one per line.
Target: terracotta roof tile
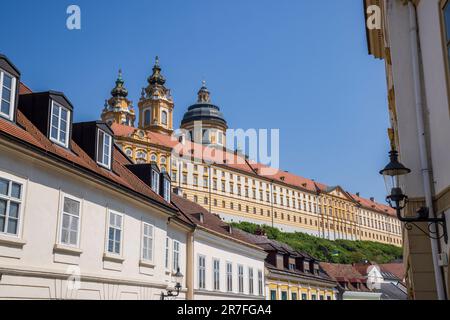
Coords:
pixel 191 211
pixel 26 132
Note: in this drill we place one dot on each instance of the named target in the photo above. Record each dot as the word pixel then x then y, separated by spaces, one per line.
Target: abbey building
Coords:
pixel 226 182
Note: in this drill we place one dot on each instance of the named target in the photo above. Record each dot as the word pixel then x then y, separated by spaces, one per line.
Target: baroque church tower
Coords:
pixel 118 108
pixel 156 104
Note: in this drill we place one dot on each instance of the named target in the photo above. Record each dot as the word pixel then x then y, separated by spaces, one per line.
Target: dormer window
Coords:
pixel 104 149
pixel 165 187
pixel 155 180
pixel 9 88
pixel 59 124
pixel 7 94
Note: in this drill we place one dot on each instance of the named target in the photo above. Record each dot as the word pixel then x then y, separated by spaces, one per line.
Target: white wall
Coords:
pixel 36 270
pixel 214 247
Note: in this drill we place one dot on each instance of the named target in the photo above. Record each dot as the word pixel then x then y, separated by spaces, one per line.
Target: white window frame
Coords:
pixel 229 271
pixel 148 237
pixel 240 278
pixel 57 140
pixel 8 198
pixel 166 183
pixel 9 116
pixel 176 255
pixel 216 274
pixel 121 229
pixel 102 160
pixel 61 215
pixel 251 281
pixel 201 272
pixel 155 181
pixel 260 283
pixel 167 253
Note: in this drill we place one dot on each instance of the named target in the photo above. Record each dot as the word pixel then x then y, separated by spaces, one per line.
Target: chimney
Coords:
pixel 260 232
pixel 357 194
pixel 372 199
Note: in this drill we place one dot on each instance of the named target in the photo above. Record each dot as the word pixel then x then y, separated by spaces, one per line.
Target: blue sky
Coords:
pixel 300 66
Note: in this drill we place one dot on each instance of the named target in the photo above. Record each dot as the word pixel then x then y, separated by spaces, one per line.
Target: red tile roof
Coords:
pixel 211 222
pixel 397 269
pixel 345 273
pixel 24 131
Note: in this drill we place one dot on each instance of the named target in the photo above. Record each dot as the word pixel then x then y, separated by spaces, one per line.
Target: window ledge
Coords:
pixel 145 263
pixel 113 257
pixel 168 272
pixel 12 241
pixel 65 249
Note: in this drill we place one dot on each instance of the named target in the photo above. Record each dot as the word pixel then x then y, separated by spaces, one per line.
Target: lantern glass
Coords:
pixel 178 276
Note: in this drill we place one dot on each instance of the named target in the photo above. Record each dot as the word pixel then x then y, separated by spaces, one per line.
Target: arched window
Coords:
pixel 153 158
pixel 141 155
pixel 147 117
pixel 164 117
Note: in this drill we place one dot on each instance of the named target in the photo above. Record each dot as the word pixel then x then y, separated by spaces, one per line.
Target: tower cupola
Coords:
pixel 118 109
pixel 204 120
pixel 156 104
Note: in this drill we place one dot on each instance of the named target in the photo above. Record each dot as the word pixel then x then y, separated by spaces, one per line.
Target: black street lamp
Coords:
pixel 394 174
pixel 178 279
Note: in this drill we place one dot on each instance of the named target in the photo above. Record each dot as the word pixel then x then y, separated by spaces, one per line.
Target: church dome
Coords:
pixel 204 110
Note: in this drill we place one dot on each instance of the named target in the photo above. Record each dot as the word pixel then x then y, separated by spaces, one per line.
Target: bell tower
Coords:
pixel 118 109
pixel 156 104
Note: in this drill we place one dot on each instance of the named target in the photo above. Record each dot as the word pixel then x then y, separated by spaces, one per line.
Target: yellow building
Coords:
pixel 290 274
pixel 229 184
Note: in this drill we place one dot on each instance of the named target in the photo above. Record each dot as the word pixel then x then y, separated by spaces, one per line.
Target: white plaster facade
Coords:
pixel 35 265
pixel 213 247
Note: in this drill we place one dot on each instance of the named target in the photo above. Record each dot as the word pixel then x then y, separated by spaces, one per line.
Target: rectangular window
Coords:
pixel 250 281
pixel 155 181
pixel 10 205
pixel 166 254
pixel 313 297
pixel 176 255
pixel 166 190
pixel 201 272
pixel 7 95
pixel 273 295
pixel 446 11
pixel 304 296
pixel 115 233
pixel 216 274
pixel 104 149
pixel 241 279
pixel 260 283
pixel 229 277
pixel 70 223
pixel 294 296
pixel 59 125
pixel 284 295
pixel 147 242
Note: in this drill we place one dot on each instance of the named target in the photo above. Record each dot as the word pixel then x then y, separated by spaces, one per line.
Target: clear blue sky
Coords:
pixel 300 66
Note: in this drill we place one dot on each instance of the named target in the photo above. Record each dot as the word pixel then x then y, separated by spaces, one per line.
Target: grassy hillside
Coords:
pixel 339 251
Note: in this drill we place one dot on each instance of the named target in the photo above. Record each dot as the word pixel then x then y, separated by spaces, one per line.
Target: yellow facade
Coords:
pixel 292 290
